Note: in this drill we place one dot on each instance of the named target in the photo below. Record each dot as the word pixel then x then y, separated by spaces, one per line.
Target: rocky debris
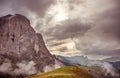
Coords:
pixel 19 43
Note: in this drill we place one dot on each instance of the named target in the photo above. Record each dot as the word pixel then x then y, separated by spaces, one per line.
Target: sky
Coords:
pixel 73 27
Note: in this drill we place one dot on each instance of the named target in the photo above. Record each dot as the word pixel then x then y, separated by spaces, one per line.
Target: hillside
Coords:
pixel 77 71
pixel 66 72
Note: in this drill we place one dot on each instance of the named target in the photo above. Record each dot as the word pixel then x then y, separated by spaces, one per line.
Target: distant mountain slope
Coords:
pixel 116 64
pixel 98 67
pixel 112 59
pixel 82 60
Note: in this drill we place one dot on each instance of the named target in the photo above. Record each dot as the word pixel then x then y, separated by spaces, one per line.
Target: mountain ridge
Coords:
pixel 22 50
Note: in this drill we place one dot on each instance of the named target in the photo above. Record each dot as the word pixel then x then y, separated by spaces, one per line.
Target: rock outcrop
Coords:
pixel 22 50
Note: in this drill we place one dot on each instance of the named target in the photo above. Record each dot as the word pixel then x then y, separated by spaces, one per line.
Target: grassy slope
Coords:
pixel 66 72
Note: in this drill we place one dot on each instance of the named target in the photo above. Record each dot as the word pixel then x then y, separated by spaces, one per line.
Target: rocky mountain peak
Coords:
pixel 22 50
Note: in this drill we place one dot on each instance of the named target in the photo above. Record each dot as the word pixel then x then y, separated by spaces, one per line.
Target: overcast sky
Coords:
pixel 73 27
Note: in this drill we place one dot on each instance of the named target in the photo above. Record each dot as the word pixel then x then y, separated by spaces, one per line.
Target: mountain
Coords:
pixel 22 50
pixel 98 67
pixel 112 59
pixel 82 60
pixel 116 65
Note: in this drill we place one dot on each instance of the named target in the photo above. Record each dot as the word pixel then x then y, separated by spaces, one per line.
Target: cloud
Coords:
pixel 94 28
pixel 22 68
pixel 107 24
pixel 94 46
pixel 109 69
pixel 2 1
pixel 27 68
pixel 56 43
pixel 103 37
pixel 63 49
pixel 5 67
pixel 93 25
pixel 69 29
pixel 38 7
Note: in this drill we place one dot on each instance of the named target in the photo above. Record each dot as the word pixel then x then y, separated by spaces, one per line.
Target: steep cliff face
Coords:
pixel 22 50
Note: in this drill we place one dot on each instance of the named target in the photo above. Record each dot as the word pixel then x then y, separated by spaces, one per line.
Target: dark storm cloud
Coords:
pixel 108 23
pixel 114 25
pixel 3 4
pixel 2 1
pixel 107 29
pixel 69 29
pixel 23 6
pixel 38 6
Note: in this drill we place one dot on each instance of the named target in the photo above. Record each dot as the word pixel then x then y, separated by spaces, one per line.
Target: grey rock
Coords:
pixel 19 42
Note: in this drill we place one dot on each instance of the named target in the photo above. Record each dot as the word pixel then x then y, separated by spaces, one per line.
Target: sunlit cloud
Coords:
pixel 58 12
